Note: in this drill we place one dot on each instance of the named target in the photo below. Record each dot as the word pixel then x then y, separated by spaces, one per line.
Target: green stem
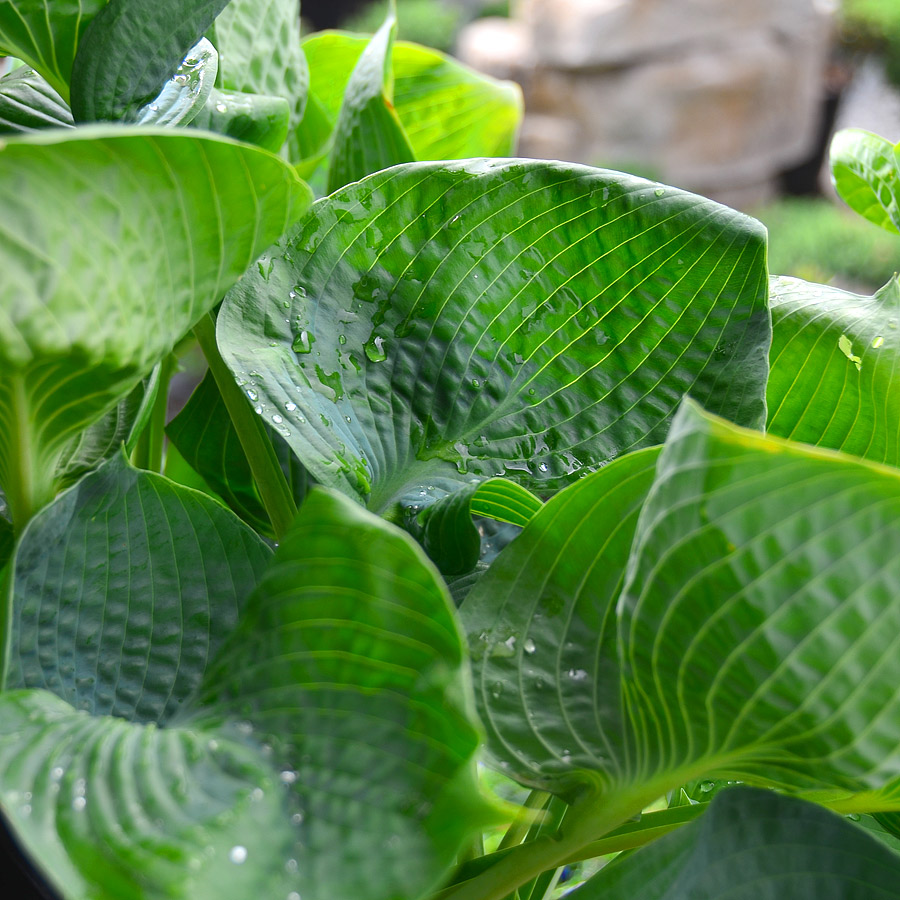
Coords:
pixel 518 831
pixel 27 488
pixel 273 487
pixel 148 454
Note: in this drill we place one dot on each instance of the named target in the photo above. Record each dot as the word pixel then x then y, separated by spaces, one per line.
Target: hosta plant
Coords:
pixel 494 487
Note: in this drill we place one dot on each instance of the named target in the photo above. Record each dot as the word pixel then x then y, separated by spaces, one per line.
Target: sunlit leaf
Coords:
pixel 835 368
pixel 866 173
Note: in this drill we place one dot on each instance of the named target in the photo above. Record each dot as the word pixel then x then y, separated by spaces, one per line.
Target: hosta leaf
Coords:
pixel 754 845
pixel 759 620
pixel 82 322
pixel 445 528
pixel 368 135
pixel 28 103
pixel 123 589
pixel 46 34
pixel 251 118
pixel 526 319
pixel 835 368
pixel 129 51
pixel 350 665
pixel 260 786
pixel 206 438
pixel 185 93
pixel 865 170
pixel 541 630
pixel 260 53
pixel 447 110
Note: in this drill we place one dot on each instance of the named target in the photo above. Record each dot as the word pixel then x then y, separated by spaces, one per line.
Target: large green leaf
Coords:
pixel 28 103
pixel 447 110
pixel 541 630
pixel 754 845
pixel 206 437
pixel 865 169
pixel 260 53
pixel 166 223
pixel 123 588
pixel 835 368
pixel 46 34
pixel 130 49
pixel 332 728
pixel 758 624
pixel 368 136
pixel 527 319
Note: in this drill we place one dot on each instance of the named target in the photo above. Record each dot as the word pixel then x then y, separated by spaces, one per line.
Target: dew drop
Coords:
pixel 154 107
pixel 238 854
pixel 707 786
pixel 257 410
pixel 543 467
pixel 288 776
pixel 853 817
pixel 878 342
pixel 221 107
pixel 56 773
pixel 375 350
pixel 529 646
pixel 293 895
pixel 297 818
pixel 79 803
pixel 253 395
pixel 291 865
pixel 577 674
pixel 256 794
pixel 303 342
pixel 277 419
pixel 659 191
pixel 180 79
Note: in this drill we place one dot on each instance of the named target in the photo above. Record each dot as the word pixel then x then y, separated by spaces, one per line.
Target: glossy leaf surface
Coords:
pixel 368 136
pixel 866 173
pixel 81 322
pixel 259 46
pixel 28 103
pixel 527 319
pixel 541 629
pixel 185 93
pixel 46 34
pixel 754 845
pixel 348 736
pixel 835 368
pixel 205 436
pixel 447 110
pixel 129 51
pixel 758 622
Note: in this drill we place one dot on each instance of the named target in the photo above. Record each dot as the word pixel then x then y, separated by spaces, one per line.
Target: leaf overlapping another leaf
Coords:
pixel 331 726
pixel 82 321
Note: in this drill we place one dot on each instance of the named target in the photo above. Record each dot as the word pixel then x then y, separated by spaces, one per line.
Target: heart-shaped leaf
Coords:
pixel 865 169
pixel 834 364
pixel 541 630
pixel 368 136
pixel 28 103
pixel 447 110
pixel 526 319
pixel 46 35
pixel 260 53
pixel 754 844
pixel 130 49
pixel 332 727
pixel 82 322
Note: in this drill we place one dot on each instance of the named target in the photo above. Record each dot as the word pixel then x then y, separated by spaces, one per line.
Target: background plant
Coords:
pixel 425 360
